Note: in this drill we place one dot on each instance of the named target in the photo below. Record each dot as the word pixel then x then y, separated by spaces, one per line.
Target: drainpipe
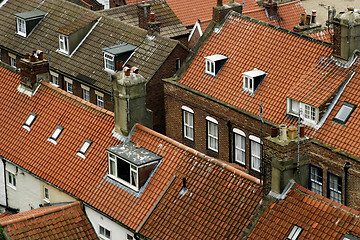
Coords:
pixel 346 171
pixel 230 141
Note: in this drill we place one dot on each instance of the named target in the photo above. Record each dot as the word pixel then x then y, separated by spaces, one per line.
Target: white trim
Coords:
pixel 196 27
pixel 208 118
pixel 54 74
pixel 101 236
pixel 238 131
pixel 68 80
pixel 187 109
pixel 99 93
pixel 254 138
pixel 21 33
pixel 64 39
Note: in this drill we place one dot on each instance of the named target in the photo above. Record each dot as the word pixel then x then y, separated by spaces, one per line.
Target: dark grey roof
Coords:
pixel 87 61
pixel 133 154
pixel 36 13
pixel 121 48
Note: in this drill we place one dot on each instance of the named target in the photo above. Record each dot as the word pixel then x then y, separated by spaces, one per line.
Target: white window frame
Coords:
pixel 46 195
pixel 133 170
pixel 294 233
pixel 69 87
pixel 315 185
pixel 55 80
pixel 239 147
pixel 248 84
pixel 84 148
pixel 293 107
pixel 86 94
pixel 29 121
pixel 11 179
pixel 100 101
pixel 102 232
pixel 188 123
pixel 210 67
pixel 109 58
pixel 333 192
pixel 21 27
pixel 12 62
pixel 309 113
pixel 212 136
pixel 56 134
pixel 63 44
pixel 255 147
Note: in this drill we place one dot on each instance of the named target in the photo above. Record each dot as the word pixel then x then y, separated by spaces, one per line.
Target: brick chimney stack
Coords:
pixel 130 101
pixel 220 10
pixel 153 26
pixel 143 14
pixel 34 69
pixel 271 8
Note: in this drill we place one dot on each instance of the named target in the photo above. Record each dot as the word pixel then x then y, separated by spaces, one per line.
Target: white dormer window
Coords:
pixel 309 113
pixel 214 63
pixel 84 148
pixel 63 44
pixel 21 27
pixel 109 62
pixel 29 121
pixel 252 80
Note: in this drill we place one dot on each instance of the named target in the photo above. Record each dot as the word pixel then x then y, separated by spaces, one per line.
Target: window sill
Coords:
pixel 63 52
pixel 11 186
pixel 56 85
pixel 46 200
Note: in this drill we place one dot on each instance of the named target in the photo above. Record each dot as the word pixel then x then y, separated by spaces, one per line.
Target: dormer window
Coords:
pixel 29 121
pixel 63 44
pixel 117 54
pixel 27 21
pixel 55 134
pixel 344 113
pixel 214 63
pixel 131 165
pixel 308 113
pixel 252 80
pixel 84 148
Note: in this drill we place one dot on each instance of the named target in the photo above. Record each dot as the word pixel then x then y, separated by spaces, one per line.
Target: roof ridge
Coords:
pixel 218 162
pixel 77 99
pixel 280 29
pixel 52 209
pixel 327 200
pixel 279 5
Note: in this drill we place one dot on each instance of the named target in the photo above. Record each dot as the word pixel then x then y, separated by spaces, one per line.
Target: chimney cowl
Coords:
pixel 152 17
pixel 135 70
pixel 127 71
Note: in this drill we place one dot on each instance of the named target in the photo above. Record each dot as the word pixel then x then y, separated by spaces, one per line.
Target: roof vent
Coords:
pixel 214 63
pixel 184 189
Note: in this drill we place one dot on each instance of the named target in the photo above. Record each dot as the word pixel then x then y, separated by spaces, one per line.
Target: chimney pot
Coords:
pixel 219 3
pixel 313 16
pixel 32 58
pixel 127 71
pixel 283 134
pixel 135 70
pixel 152 17
pixel 120 66
pixel 307 21
pixel 350 9
pixel 27 55
pixel 302 19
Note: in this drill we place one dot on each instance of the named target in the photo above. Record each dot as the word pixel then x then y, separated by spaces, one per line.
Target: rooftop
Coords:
pixel 54 222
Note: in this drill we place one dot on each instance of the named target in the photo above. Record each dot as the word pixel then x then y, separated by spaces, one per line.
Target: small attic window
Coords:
pixel 214 63
pixel 117 54
pixel 55 134
pixel 252 80
pixel 27 21
pixel 29 121
pixel 131 165
pixel 295 233
pixel 84 148
pixel 63 44
pixel 344 113
pixel 350 237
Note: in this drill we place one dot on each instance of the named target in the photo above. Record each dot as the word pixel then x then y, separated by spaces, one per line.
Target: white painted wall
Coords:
pixel 106 3
pixel 29 191
pixel 97 219
pixel 2 184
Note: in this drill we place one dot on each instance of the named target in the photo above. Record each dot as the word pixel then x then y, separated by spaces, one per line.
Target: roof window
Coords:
pixel 344 113
pixel 131 165
pixel 252 80
pixel 350 237
pixel 55 134
pixel 214 63
pixel 117 54
pixel 84 148
pixel 295 232
pixel 29 121
pixel 27 21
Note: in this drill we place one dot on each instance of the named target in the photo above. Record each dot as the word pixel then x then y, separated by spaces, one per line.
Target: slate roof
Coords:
pixel 87 62
pixel 171 26
pixel 319 217
pixel 87 178
pixel 218 204
pixel 54 222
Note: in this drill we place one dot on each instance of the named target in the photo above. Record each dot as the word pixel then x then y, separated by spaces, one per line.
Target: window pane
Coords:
pixel 212 136
pixel 188 125
pixel 255 156
pixel 240 148
pixel 316 180
pixel 123 170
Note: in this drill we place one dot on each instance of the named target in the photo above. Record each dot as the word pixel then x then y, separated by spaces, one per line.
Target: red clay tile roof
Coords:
pixel 324 35
pixel 217 205
pixel 319 217
pixel 288 15
pixel 171 26
pixel 250 44
pixel 55 222
pixel 59 164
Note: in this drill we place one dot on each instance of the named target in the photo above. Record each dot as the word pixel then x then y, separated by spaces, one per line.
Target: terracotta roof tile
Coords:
pixel 316 215
pixel 54 222
pixel 324 35
pixel 171 26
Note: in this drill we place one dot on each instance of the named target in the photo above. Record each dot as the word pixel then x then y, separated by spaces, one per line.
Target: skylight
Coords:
pixel 56 134
pixel 295 233
pixel 344 113
pixel 29 121
pixel 84 148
